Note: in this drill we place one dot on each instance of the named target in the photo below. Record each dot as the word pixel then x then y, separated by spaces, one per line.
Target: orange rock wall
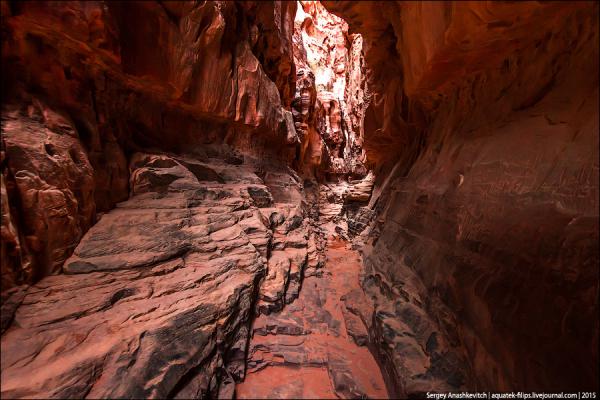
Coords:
pixel 479 121
pixel 330 64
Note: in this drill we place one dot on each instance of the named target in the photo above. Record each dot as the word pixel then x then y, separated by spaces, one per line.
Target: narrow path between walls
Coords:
pixel 316 346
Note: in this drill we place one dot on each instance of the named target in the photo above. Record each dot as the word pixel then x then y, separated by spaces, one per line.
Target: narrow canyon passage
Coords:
pixel 316 346
pixel 298 199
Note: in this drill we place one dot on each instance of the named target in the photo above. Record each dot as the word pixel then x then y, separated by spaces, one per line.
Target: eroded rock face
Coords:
pixel 47 191
pixel 179 75
pixel 328 110
pixel 483 258
pixel 303 112
pixel 157 298
pixel 271 33
pixel 158 149
pixel 330 65
pixel 315 346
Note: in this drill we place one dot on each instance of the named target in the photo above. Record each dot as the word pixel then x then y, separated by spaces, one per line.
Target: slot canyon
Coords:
pixel 281 199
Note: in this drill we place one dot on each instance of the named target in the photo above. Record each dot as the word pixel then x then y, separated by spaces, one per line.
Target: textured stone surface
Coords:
pixel 342 205
pixel 312 349
pixel 328 111
pixel 303 111
pixel 271 38
pixel 179 75
pixel 330 100
pixel 485 243
pixel 215 145
pixel 48 191
pixel 157 298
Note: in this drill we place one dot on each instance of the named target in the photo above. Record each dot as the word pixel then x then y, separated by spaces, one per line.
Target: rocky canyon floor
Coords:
pixel 162 295
pixel 315 347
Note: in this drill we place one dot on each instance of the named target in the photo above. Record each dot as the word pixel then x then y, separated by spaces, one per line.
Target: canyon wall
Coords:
pixel 169 171
pixel 483 258
pixel 148 210
pixel 329 110
pixel 86 84
pixel 330 97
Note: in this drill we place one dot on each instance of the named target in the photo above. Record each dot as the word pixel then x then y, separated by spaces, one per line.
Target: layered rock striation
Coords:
pixel 144 168
pixel 185 186
pixel 316 346
pixel 158 297
pixel 331 91
pixel 179 75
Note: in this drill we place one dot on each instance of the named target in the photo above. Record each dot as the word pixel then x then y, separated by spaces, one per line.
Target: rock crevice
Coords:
pixel 298 199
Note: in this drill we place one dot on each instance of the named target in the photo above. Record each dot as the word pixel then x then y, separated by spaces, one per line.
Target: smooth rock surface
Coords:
pixel 484 129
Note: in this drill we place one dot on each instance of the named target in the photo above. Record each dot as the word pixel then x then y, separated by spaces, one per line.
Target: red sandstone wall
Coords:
pixel 101 80
pixel 486 242
pixel 482 122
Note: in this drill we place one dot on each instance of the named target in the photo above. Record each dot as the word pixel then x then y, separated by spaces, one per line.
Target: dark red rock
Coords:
pixel 48 203
pixel 185 185
pixel 483 123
